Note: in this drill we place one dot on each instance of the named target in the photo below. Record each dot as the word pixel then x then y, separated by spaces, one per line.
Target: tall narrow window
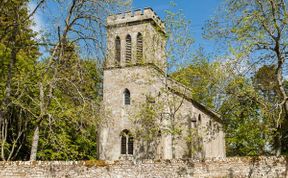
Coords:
pixel 126 142
pixel 123 143
pixel 117 50
pixel 127 97
pixel 128 48
pixel 139 53
pixel 199 118
pixel 130 145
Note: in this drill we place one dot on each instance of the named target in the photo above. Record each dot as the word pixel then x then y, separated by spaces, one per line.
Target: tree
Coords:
pixel 247 131
pixel 160 116
pixel 179 38
pixel 257 30
pixel 265 84
pixel 70 132
pixel 47 100
pixel 161 119
pixel 82 25
pixel 19 54
pixel 205 79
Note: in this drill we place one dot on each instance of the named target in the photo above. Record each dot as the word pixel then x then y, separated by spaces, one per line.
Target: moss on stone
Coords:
pixel 96 163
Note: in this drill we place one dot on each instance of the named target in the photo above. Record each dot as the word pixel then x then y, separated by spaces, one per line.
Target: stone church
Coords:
pixel 148 115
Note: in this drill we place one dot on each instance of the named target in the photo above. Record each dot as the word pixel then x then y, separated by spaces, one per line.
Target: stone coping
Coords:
pixel 101 163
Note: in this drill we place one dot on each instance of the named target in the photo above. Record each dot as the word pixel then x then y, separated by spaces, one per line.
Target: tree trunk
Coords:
pixel 6 100
pixel 35 142
pixel 278 142
pixel 284 103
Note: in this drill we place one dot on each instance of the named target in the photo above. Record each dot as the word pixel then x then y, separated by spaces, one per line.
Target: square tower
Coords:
pixel 134 68
pixel 136 38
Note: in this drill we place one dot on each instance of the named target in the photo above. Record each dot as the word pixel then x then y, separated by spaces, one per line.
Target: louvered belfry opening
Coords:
pixel 139 47
pixel 117 50
pixel 126 142
pixel 128 48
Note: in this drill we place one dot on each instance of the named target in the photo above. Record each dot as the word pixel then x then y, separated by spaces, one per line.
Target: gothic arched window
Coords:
pixel 139 53
pixel 117 50
pixel 127 97
pixel 126 142
pixel 128 48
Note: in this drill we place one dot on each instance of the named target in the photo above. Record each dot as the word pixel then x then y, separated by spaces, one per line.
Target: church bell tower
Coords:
pixel 135 38
pixel 135 58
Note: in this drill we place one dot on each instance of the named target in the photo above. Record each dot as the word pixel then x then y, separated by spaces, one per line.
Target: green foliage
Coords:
pixel 68 112
pixel 69 133
pixel 265 82
pixel 246 129
pixel 17 77
pixel 257 31
pixel 179 37
pixel 147 120
pixel 203 78
pixel 58 95
pixel 65 140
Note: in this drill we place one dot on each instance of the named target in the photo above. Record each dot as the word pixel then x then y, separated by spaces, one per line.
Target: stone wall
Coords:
pixel 229 167
pixel 201 138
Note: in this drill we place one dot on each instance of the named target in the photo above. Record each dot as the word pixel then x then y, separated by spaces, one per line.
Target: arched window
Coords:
pixel 128 48
pixel 117 50
pixel 126 142
pixel 127 97
pixel 139 53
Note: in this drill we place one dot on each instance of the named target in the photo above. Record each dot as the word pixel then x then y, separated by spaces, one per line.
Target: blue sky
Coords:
pixel 198 11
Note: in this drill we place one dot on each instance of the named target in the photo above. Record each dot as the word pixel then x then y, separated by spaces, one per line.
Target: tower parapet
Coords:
pixel 136 38
pixel 136 16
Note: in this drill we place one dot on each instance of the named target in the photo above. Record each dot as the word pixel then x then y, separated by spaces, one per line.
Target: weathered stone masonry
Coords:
pixel 229 167
pixel 135 70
